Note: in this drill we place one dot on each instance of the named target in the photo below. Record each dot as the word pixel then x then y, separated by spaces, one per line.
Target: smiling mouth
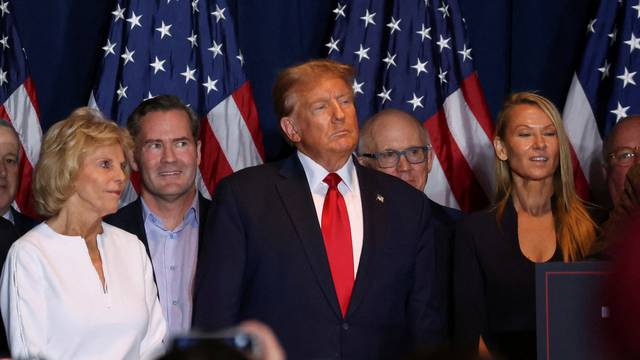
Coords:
pixel 170 173
pixel 539 158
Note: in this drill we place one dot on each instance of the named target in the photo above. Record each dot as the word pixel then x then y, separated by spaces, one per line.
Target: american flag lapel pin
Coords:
pixel 380 198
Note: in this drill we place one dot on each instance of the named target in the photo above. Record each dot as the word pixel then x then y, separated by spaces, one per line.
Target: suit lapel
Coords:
pixel 296 198
pixel 373 215
pixel 137 223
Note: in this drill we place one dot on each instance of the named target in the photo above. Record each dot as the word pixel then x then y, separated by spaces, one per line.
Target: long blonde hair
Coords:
pixel 575 230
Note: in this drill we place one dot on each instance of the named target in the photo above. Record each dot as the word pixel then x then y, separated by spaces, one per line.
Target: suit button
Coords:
pixel 345 326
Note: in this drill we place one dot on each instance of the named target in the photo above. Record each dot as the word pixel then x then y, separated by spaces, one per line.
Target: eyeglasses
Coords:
pixel 391 158
pixel 625 155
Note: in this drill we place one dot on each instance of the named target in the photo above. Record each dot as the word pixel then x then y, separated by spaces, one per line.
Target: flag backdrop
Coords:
pixel 188 49
pixel 604 89
pixel 19 104
pixel 414 55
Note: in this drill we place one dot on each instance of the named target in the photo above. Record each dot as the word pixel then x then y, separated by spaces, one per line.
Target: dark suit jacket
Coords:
pixel 22 223
pixel 265 259
pixel 447 218
pixel 129 218
pixel 8 235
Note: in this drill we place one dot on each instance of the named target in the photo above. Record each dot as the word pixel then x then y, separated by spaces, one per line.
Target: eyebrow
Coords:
pixel 183 138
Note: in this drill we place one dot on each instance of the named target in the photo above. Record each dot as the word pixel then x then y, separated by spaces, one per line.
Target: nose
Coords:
pixel 168 154
pixel 338 112
pixel 3 169
pixel 403 164
pixel 539 141
pixel 121 175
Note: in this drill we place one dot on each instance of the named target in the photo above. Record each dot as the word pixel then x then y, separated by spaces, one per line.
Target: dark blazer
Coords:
pixel 22 223
pixel 448 219
pixel 8 235
pixel 129 218
pixel 265 259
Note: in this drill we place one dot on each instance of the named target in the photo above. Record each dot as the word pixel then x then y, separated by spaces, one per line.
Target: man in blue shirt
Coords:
pixel 168 214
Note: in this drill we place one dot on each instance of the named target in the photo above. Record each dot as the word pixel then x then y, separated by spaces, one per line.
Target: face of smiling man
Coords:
pixel 167 156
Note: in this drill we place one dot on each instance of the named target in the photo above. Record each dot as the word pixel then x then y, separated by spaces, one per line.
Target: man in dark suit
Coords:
pixel 10 178
pixel 168 216
pixel 338 259
pixel 396 143
pixel 8 235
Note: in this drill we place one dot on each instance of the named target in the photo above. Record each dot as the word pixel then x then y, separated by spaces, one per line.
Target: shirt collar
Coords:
pixel 9 216
pixel 191 213
pixel 316 173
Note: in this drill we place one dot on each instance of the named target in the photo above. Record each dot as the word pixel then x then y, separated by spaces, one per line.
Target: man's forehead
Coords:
pixel 627 133
pixel 395 131
pixel 166 124
pixel 8 136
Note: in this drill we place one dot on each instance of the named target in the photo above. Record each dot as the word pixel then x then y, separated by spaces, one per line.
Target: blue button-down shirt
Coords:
pixel 174 255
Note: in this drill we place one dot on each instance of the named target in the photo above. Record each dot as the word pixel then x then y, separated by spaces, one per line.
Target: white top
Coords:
pixel 350 190
pixel 54 306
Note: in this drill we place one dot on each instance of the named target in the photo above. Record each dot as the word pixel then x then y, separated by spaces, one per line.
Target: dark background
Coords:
pixel 517 45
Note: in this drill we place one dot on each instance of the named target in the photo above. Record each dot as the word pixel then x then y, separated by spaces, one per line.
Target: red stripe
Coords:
pixel 473 95
pixel 580 181
pixel 31 91
pixel 462 180
pixel 3 114
pixel 214 165
pixel 136 181
pixel 243 98
pixel 24 198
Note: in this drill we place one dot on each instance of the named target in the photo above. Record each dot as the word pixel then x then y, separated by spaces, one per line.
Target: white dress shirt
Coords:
pixel 350 190
pixel 55 307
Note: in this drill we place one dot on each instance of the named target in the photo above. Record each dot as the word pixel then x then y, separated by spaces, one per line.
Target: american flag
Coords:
pixel 604 89
pixel 19 104
pixel 413 55
pixel 188 49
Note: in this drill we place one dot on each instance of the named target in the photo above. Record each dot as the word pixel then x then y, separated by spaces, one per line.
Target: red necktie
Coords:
pixel 336 232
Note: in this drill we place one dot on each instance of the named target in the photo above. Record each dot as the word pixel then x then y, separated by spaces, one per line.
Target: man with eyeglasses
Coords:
pixel 394 142
pixel 621 151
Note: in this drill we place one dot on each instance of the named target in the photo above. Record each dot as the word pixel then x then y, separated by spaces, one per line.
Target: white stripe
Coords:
pixel 232 133
pixel 201 185
pixel 129 195
pixel 25 120
pixel 438 188
pixel 475 145
pixel 92 102
pixel 583 133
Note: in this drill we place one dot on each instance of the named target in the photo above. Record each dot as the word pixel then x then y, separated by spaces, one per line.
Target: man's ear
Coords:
pixel 289 128
pixel 501 150
pixel 429 160
pixel 199 152
pixel 131 159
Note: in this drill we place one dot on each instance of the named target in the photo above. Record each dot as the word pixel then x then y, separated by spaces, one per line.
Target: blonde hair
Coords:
pixel 64 147
pixel 575 230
